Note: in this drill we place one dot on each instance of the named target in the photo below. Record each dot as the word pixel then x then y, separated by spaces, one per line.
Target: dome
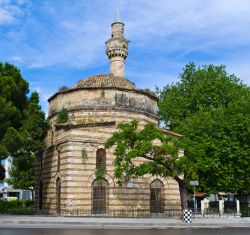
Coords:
pixel 105 80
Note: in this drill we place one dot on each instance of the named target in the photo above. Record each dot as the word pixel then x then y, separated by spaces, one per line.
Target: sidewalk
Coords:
pixel 115 223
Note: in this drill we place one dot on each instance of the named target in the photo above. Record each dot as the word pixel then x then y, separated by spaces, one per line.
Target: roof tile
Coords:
pixel 105 80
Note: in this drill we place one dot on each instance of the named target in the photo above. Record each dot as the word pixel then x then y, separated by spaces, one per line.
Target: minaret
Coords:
pixel 117 48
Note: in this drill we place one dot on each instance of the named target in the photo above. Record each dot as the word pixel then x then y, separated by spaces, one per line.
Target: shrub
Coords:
pixel 100 172
pixel 29 203
pixel 63 88
pixel 62 116
pixel 17 207
pixel 84 155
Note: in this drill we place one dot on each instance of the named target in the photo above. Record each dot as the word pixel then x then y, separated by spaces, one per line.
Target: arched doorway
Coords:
pixel 99 196
pixel 58 195
pixel 156 197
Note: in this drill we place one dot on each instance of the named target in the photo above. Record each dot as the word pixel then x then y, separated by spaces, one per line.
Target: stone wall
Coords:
pixel 93 116
pixel 116 99
pixel 77 175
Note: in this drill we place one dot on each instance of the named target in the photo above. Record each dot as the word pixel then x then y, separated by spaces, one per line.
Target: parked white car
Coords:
pixel 8 199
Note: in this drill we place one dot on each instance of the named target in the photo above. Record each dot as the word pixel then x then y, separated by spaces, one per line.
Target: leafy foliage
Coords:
pixel 13 100
pixel 22 172
pixel 159 151
pixel 17 207
pixel 22 123
pixel 84 155
pixel 62 116
pixel 211 109
pixel 100 172
pixel 21 120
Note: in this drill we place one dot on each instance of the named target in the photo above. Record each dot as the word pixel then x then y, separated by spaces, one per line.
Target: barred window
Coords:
pixel 58 195
pixel 99 196
pixel 156 197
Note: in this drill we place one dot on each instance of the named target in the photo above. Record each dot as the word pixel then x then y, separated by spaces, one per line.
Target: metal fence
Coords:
pixel 230 207
pixel 245 209
pixel 117 213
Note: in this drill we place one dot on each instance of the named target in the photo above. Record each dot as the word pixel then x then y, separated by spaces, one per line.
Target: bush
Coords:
pixel 100 173
pixel 63 88
pixel 22 211
pixel 29 203
pixel 17 207
pixel 62 116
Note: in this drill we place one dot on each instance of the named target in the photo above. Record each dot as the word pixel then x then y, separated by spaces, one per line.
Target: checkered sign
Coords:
pixel 187 216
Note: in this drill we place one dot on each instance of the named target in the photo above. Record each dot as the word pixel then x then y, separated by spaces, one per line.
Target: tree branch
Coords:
pixel 156 160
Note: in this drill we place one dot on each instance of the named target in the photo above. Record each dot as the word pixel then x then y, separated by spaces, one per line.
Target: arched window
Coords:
pixel 101 159
pixel 156 197
pixel 58 160
pixel 52 137
pixel 58 195
pixel 99 196
pixel 41 163
pixel 40 195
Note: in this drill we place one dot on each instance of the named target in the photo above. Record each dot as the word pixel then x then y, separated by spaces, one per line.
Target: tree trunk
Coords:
pixel 183 192
pixel 32 194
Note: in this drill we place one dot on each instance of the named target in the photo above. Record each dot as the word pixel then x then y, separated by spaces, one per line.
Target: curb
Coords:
pixel 107 225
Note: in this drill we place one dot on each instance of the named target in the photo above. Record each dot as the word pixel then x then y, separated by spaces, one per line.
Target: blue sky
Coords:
pixel 59 42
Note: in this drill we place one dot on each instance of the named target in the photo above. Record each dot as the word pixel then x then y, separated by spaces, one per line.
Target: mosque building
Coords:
pixel 74 152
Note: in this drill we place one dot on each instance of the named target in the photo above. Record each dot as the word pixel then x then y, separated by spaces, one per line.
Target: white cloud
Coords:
pixel 16 59
pixel 153 79
pixel 44 95
pixel 10 11
pixel 240 69
pixel 6 17
pixel 72 33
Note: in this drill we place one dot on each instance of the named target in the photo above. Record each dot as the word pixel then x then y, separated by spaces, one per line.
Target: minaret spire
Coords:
pixel 117 48
pixel 117 16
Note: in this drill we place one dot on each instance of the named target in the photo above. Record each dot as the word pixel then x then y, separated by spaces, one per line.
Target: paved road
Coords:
pixel 114 223
pixel 169 231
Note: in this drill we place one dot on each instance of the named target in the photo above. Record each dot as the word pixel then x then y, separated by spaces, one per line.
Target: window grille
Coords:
pixel 58 195
pixel 99 196
pixel 156 197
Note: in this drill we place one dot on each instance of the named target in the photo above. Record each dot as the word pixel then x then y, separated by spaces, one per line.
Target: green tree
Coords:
pixel 22 172
pixel 13 100
pixel 158 149
pixel 22 123
pixel 211 109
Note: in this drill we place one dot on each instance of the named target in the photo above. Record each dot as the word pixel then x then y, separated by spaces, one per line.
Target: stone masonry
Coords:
pixel 66 168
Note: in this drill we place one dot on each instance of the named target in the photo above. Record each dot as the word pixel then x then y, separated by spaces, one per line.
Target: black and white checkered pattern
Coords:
pixel 187 216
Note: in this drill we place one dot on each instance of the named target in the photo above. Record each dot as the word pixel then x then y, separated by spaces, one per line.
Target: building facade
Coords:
pixel 74 151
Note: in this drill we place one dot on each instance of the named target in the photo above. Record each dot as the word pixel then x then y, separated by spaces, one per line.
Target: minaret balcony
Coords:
pixel 117 51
